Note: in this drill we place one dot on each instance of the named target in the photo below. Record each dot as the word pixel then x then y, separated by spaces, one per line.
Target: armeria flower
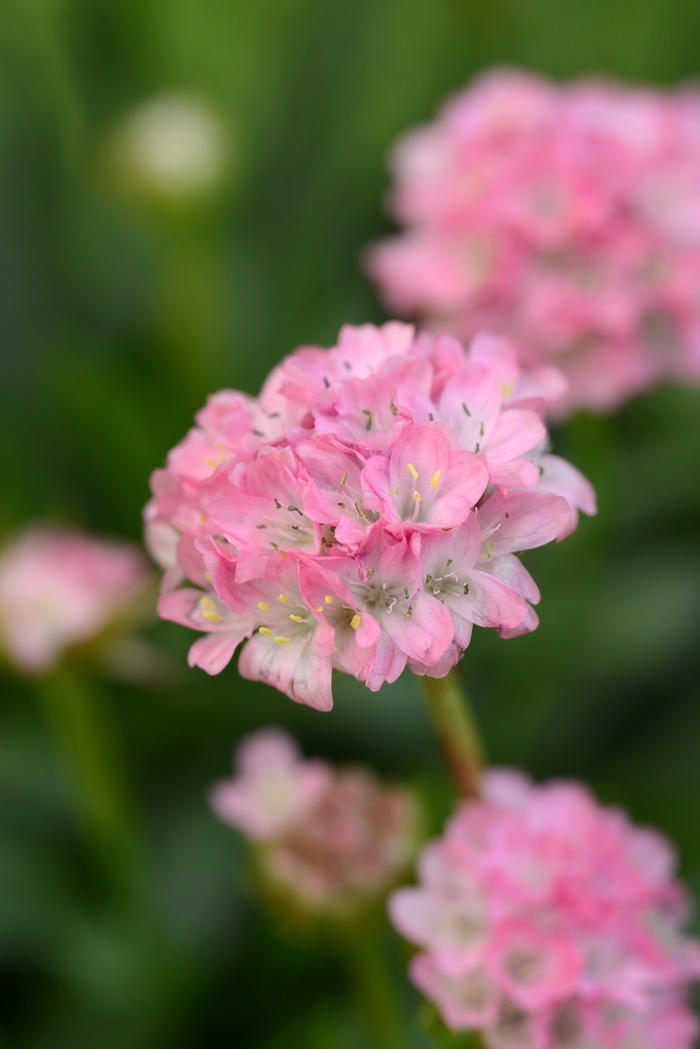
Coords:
pixel 364 512
pixel 564 216
pixel 328 840
pixel 550 922
pixel 62 588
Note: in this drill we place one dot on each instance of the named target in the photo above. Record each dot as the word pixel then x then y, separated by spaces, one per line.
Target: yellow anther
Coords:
pixel 264 630
pixel 343 480
pixel 319 608
pixel 416 496
pixel 335 650
pixel 207 577
pixel 395 490
pixel 412 470
pixel 283 640
pixel 435 478
pixel 284 599
pixel 489 551
pixel 328 599
pixel 355 622
pixel 507 388
pixel 263 606
pixel 213 616
pixel 206 602
pixel 212 462
pixel 297 619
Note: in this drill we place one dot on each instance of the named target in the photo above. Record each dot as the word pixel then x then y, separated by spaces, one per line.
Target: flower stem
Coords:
pixel 97 783
pixel 456 731
pixel 375 992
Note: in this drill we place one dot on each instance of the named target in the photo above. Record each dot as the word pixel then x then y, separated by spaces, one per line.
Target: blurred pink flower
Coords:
pixel 61 588
pixel 364 512
pixel 328 838
pixel 550 922
pixel 564 216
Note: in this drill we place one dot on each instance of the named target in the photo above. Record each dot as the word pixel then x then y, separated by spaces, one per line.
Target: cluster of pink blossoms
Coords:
pixel 565 217
pixel 331 839
pixel 364 511
pixel 550 922
pixel 62 588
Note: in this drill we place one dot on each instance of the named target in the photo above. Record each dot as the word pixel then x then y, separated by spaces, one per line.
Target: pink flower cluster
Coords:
pixel 550 922
pixel 331 839
pixel 364 511
pixel 61 588
pixel 565 217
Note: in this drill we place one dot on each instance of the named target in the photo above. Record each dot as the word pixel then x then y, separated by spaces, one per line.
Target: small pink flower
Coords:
pixel 62 588
pixel 354 517
pixel 550 922
pixel 564 216
pixel 330 840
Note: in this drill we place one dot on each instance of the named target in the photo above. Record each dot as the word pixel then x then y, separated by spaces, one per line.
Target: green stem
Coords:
pixel 375 990
pixel 96 778
pixel 456 731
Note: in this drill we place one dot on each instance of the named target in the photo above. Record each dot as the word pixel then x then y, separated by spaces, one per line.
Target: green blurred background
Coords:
pixel 119 314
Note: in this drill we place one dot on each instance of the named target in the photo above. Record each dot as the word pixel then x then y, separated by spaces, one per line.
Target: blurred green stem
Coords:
pixel 456 731
pixel 375 991
pixel 101 802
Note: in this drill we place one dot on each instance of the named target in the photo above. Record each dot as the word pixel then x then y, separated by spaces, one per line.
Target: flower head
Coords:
pixel 329 839
pixel 564 216
pixel 62 588
pixel 364 511
pixel 550 922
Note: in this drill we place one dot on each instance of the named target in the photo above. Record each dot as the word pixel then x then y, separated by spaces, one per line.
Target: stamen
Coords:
pixel 477 447
pixel 261 526
pixel 328 599
pixel 297 619
pixel 368 416
pixel 466 588
pixel 263 606
pixel 507 515
pixel 489 552
pixel 264 630
pixel 410 612
pixel 431 417
pixel 412 470
pixel 341 505
pixel 449 561
pixel 416 496
pixel 435 478
pixel 319 608
pixel 466 410
pixel 428 579
pixel 343 480
pixel 394 409
pixel 284 599
pixel 395 490
pixel 283 640
pixel 295 509
pixel 406 593
pixel 481 430
pixel 258 433
pixel 214 617
pixel 326 382
pixel 355 622
pixel 206 602
pixel 358 511
pixel 278 504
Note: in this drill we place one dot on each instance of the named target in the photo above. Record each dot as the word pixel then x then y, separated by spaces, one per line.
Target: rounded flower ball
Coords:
pixel 566 217
pixel 364 512
pixel 329 839
pixel 550 922
pixel 62 588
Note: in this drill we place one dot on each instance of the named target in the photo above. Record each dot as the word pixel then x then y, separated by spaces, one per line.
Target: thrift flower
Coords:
pixel 62 588
pixel 364 512
pixel 564 216
pixel 328 839
pixel 550 922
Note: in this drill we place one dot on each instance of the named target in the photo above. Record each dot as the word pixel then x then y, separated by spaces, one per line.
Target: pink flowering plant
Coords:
pixel 62 588
pixel 566 217
pixel 327 841
pixel 547 921
pixel 364 512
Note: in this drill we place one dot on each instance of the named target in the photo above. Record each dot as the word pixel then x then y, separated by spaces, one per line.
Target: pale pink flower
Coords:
pixel 564 216
pixel 328 839
pixel 62 588
pixel 550 922
pixel 364 512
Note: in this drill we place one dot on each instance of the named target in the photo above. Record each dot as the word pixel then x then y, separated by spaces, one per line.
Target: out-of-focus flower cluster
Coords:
pixel 364 511
pixel 550 922
pixel 62 588
pixel 328 839
pixel 566 217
